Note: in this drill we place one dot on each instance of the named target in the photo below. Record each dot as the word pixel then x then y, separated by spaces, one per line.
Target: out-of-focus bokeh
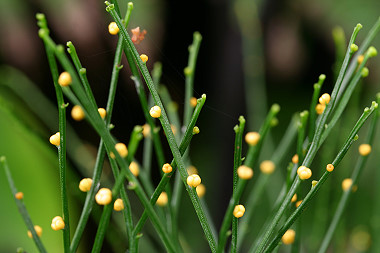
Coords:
pixel 293 46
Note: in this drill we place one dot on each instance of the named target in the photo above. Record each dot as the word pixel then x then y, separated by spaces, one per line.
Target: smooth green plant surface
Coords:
pixel 304 137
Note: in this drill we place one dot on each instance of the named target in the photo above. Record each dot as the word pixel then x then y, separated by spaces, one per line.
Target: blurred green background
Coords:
pixel 295 46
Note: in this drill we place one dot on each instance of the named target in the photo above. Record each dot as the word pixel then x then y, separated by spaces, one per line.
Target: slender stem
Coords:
pixel 190 73
pixel 169 134
pixel 21 207
pixel 301 135
pixel 239 130
pixel 361 162
pixel 313 104
pixel 86 211
pixel 352 137
pixel 61 148
pixel 165 178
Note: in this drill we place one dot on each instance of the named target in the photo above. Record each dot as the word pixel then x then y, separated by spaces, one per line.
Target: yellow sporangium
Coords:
pixel 118 205
pixel 365 149
pixel 146 130
pixel 77 113
pixel 19 195
pixel 330 167
pixel 324 99
pixel 103 197
pixel 196 130
pixel 167 168
pixel 193 101
pixel 267 167
pixel 57 223
pixel 38 230
pixel 288 237
pixel 134 168
pixel 201 190
pixel 85 184
pixel 304 172
pixel 298 203
pixel 155 111
pixel 162 199
pixel 64 79
pixel 113 29
pixel 320 108
pixel 346 184
pixel 245 172
pixel 55 139
pixel 294 198
pixel 121 149
pixel 102 113
pixel 295 159
pixel 239 211
pixel 144 58
pixel 252 138
pixel 194 180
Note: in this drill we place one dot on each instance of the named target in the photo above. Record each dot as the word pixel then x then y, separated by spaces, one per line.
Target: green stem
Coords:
pixel 21 207
pixel 165 178
pixel 347 193
pixel 239 130
pixel 352 137
pixel 190 73
pixel 301 135
pixel 166 126
pixel 104 133
pixel 61 148
pixel 314 101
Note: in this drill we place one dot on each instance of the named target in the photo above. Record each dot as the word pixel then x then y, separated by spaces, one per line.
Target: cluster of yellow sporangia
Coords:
pixel 323 101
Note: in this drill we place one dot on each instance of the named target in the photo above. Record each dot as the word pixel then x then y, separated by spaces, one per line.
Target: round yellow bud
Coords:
pixel 245 172
pixel 167 168
pixel 118 205
pixel 55 139
pixel 102 112
pixel 239 211
pixel 324 99
pixel 360 59
pixel 330 167
pixel 201 190
pixel 295 159
pixel 155 111
pixel 346 184
pixel 85 184
pixel 38 230
pixel 294 198
pixel 252 138
pixel 192 170
pixel 146 130
pixel 196 130
pixel 64 79
pixel 113 29
pixel 103 197
pixel 57 223
pixel 162 199
pixel 144 58
pixel 365 149
pixel 194 180
pixel 267 167
pixel 288 237
pixel 77 113
pixel 320 108
pixel 193 101
pixel 134 168
pixel 298 203
pixel 19 195
pixel 304 172
pixel 121 149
